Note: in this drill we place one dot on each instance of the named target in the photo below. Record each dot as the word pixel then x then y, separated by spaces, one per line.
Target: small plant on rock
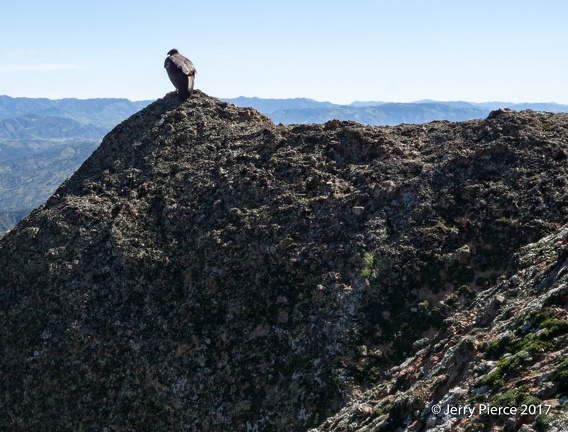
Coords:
pixel 368 262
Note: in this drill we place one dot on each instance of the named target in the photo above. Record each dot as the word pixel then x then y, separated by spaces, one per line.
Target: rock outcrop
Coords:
pixel 207 270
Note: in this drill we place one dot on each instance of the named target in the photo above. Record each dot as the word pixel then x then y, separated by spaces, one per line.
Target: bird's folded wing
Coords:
pixel 188 68
pixel 183 64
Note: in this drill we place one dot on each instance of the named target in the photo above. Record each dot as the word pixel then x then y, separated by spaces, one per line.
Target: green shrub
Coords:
pixel 542 423
pixel 561 377
pixel 368 262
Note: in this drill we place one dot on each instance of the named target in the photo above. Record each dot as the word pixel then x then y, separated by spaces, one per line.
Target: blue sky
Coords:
pixel 338 51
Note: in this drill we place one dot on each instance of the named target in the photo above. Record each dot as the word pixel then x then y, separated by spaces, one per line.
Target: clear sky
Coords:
pixel 338 51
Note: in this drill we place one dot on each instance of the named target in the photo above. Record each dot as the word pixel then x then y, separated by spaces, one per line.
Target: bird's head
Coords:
pixel 173 51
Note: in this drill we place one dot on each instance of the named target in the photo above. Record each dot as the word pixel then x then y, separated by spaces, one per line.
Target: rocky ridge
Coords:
pixel 207 270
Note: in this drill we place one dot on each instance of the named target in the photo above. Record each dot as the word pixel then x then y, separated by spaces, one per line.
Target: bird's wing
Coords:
pixel 183 64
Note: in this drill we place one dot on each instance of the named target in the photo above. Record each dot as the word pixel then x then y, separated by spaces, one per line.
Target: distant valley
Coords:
pixel 43 141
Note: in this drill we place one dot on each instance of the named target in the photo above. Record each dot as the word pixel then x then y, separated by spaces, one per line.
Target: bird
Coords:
pixel 181 73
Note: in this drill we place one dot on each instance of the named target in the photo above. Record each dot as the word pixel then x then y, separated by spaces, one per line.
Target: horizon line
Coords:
pixel 71 66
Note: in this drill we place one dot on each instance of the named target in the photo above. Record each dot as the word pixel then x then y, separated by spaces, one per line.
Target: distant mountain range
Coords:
pixel 34 126
pixel 104 112
pixel 43 141
pixel 304 111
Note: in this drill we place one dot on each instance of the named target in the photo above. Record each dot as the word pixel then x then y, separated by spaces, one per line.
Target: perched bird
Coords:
pixel 181 72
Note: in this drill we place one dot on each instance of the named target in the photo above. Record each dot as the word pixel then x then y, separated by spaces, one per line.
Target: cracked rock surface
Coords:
pixel 207 270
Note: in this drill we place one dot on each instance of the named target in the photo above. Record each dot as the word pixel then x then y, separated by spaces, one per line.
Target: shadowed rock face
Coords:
pixel 207 270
